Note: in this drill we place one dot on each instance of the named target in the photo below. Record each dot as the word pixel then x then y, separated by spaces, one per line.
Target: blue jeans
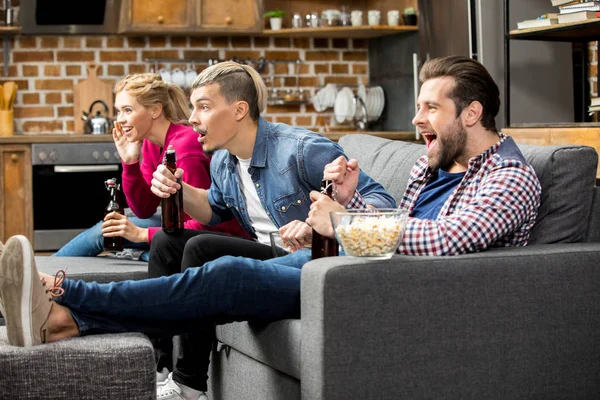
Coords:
pixel 225 290
pixel 90 243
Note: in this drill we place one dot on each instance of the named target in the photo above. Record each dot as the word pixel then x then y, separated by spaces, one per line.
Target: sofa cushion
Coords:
pixel 567 175
pixel 100 269
pixel 90 367
pixel 276 344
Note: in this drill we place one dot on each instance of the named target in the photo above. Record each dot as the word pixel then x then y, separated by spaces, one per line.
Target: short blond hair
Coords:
pixel 149 90
pixel 236 82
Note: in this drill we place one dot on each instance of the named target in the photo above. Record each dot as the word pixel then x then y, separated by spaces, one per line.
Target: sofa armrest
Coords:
pixel 506 323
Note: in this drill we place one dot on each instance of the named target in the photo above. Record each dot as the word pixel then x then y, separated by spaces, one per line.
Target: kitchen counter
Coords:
pixel 73 138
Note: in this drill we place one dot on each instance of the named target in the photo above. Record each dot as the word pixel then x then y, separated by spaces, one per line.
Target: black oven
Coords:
pixel 69 195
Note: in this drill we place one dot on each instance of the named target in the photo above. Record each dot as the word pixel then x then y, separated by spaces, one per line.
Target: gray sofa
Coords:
pixel 510 323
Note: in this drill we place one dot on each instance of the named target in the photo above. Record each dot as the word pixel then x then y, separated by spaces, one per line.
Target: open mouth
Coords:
pixel 430 139
pixel 127 130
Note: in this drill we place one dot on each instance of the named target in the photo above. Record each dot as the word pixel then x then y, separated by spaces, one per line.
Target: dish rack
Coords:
pixel 360 108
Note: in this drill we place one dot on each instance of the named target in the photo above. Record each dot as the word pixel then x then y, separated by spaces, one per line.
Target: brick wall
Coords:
pixel 47 67
pixel 593 68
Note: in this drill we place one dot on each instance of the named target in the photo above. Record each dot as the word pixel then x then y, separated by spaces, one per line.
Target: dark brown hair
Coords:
pixel 472 82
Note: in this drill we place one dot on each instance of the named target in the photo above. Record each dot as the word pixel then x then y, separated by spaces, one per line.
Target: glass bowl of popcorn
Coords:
pixel 369 233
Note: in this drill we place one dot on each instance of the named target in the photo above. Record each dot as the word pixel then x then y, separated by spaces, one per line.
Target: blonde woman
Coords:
pixel 151 115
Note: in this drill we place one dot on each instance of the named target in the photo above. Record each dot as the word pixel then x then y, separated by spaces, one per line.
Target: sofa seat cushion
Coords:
pixel 117 366
pixel 100 269
pixel 276 344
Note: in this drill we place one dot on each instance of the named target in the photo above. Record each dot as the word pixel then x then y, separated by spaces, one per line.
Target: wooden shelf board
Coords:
pixel 366 32
pixel 10 29
pixel 580 31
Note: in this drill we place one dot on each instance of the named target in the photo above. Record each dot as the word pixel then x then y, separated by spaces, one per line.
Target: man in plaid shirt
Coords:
pixel 474 189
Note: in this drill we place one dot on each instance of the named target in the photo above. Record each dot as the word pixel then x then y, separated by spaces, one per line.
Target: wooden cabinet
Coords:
pixel 157 15
pixel 16 215
pixel 190 16
pixel 229 15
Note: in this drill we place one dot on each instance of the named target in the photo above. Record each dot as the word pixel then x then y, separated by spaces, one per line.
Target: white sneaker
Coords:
pixel 171 390
pixel 161 377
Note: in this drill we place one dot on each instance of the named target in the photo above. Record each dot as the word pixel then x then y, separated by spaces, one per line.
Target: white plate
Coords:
pixel 342 108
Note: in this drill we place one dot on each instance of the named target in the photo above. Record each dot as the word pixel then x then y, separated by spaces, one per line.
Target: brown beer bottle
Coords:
pixel 172 206
pixel 114 243
pixel 323 246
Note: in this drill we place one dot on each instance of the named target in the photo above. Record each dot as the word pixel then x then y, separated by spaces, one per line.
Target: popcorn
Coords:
pixel 370 236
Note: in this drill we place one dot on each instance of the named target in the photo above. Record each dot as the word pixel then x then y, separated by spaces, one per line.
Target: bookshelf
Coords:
pixel 578 34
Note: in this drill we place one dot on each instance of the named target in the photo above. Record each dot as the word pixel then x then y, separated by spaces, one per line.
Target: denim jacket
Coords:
pixel 287 164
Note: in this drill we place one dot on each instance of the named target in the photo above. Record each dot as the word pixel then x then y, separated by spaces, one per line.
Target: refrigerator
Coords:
pixel 541 73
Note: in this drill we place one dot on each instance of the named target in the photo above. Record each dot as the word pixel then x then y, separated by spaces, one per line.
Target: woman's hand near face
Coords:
pixel 128 151
pixel 116 224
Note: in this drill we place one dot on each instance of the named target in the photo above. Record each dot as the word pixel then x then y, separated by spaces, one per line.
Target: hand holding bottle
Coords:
pixel 344 173
pixel 318 216
pixel 128 151
pixel 116 224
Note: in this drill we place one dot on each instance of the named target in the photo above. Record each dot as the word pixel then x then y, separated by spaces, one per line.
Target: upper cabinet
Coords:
pixel 229 15
pixel 190 16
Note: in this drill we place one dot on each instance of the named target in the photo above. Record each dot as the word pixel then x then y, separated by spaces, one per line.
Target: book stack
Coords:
pixel 594 105
pixel 578 11
pixel 542 20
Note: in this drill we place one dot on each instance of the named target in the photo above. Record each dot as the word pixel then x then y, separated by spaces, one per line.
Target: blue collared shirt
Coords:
pixel 287 164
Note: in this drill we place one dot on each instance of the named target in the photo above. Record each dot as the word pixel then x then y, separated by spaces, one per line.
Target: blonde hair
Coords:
pixel 237 82
pixel 150 90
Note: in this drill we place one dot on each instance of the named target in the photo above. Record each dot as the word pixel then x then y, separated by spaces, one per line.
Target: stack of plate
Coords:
pixel 325 97
pixel 375 102
pixel 344 109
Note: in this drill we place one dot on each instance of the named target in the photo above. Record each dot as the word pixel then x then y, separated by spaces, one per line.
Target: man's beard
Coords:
pixel 450 146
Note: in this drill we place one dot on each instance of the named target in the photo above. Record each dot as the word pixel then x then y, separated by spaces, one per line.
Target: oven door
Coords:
pixel 68 199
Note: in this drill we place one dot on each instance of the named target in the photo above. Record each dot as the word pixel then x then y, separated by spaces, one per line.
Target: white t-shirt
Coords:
pixel 258 216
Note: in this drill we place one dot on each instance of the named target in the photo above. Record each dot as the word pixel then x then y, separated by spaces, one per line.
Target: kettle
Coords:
pixel 97 124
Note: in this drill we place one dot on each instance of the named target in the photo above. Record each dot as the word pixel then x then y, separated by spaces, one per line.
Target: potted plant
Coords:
pixel 409 16
pixel 275 18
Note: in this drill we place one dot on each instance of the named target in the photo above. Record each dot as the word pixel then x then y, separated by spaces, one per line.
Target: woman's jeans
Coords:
pixel 90 243
pixel 225 290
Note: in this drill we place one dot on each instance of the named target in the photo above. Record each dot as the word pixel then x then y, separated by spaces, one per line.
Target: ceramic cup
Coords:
pixel 393 17
pixel 356 18
pixel 374 16
pixel 190 77
pixel 178 77
pixel 165 74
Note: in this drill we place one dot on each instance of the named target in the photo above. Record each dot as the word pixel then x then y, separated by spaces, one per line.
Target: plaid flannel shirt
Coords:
pixel 495 205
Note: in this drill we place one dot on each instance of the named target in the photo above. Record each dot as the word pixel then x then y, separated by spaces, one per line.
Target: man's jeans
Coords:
pixel 90 243
pixel 225 290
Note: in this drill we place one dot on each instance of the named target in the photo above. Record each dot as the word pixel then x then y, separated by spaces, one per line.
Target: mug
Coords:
pixel 190 77
pixel 165 74
pixel 374 16
pixel 393 17
pixel 356 18
pixel 178 77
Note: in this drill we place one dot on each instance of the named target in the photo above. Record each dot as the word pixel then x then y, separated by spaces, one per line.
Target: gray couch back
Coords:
pixel 570 206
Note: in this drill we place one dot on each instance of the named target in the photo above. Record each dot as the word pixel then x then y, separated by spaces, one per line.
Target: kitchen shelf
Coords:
pixel 344 32
pixel 280 102
pixel 580 31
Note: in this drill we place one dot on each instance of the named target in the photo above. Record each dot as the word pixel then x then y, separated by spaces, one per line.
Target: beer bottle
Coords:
pixel 323 246
pixel 172 206
pixel 114 243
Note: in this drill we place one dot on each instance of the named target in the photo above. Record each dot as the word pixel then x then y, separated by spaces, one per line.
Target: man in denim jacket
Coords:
pixel 262 174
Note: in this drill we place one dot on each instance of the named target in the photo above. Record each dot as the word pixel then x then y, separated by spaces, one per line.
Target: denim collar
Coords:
pixel 259 153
